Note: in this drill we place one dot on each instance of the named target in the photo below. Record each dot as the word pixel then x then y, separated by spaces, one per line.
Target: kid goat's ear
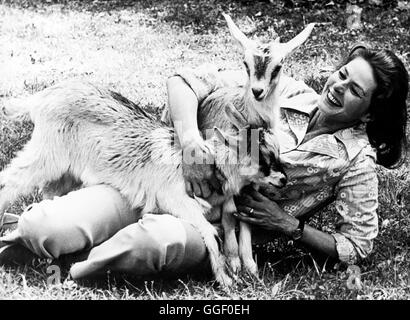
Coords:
pixel 221 136
pixel 236 33
pixel 299 39
pixel 228 140
pixel 235 117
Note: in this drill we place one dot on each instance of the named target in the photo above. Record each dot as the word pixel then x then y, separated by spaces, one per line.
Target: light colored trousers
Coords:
pixel 98 219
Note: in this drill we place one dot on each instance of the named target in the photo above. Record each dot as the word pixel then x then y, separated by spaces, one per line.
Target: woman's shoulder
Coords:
pixel 358 148
pixel 289 87
pixel 296 95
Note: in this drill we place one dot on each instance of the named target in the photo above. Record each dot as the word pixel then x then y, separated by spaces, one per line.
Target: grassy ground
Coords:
pixel 133 46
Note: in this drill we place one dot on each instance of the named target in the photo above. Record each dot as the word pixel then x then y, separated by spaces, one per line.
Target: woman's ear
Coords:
pixel 366 118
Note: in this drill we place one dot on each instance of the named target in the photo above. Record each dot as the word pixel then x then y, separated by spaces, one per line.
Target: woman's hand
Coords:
pixel 198 168
pixel 257 209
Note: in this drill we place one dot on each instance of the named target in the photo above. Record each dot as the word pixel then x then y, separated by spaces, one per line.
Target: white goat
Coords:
pixel 97 136
pixel 259 105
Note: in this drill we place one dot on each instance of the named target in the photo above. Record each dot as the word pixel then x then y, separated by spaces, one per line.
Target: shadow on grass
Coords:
pixel 200 16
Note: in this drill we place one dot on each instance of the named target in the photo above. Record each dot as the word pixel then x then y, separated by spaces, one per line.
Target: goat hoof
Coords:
pixel 224 280
pixel 234 264
pixel 251 267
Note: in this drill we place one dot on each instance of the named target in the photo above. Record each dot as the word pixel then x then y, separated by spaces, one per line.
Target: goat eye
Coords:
pixel 275 72
pixel 246 67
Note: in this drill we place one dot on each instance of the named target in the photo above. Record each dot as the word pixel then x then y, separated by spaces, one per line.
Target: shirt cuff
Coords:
pixel 345 249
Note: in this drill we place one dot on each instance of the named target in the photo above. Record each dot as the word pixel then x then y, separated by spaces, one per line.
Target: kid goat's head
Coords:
pixel 263 62
pixel 255 151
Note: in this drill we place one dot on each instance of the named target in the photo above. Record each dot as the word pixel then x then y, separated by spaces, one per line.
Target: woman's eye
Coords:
pixel 342 75
pixel 354 91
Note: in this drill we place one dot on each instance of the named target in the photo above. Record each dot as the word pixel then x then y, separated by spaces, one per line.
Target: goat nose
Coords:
pixel 257 92
pixel 283 180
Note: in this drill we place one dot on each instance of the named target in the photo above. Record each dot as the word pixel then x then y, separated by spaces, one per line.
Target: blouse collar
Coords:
pixel 298 115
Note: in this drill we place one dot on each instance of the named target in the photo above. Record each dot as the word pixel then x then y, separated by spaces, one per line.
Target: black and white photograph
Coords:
pixel 240 151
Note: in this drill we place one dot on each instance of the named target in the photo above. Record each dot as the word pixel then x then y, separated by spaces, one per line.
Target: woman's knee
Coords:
pixel 35 222
pixel 75 221
pixel 39 232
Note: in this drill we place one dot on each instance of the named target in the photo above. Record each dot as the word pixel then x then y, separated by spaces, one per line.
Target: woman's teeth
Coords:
pixel 333 99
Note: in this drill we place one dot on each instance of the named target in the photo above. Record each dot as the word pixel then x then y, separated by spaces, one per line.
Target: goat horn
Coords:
pixel 236 33
pixel 300 38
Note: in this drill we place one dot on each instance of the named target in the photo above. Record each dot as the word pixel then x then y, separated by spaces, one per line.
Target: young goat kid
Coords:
pixel 258 104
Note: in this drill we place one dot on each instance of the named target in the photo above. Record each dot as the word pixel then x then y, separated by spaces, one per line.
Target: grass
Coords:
pixel 132 47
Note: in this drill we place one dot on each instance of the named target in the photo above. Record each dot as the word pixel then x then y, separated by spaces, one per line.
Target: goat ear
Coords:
pixel 299 39
pixel 228 140
pixel 236 33
pixel 221 136
pixel 271 140
pixel 234 116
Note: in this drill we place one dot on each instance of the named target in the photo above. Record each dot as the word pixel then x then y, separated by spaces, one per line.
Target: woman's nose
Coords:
pixel 340 86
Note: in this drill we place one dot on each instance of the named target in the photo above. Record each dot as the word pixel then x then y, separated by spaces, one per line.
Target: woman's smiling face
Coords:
pixel 347 94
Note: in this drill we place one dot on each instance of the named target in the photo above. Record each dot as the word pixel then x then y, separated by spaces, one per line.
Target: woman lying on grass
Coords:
pixel 330 145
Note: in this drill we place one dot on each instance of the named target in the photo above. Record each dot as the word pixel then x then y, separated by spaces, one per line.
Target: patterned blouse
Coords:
pixel 336 167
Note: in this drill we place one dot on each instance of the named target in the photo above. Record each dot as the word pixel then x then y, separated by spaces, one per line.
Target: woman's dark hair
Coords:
pixel 388 107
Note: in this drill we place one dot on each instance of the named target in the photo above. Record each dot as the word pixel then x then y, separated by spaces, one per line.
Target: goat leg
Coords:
pixel 230 242
pixel 194 211
pixel 245 249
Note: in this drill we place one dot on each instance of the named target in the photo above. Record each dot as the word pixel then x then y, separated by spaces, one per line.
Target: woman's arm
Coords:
pixel 183 108
pixel 197 166
pixel 268 215
pixel 186 90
